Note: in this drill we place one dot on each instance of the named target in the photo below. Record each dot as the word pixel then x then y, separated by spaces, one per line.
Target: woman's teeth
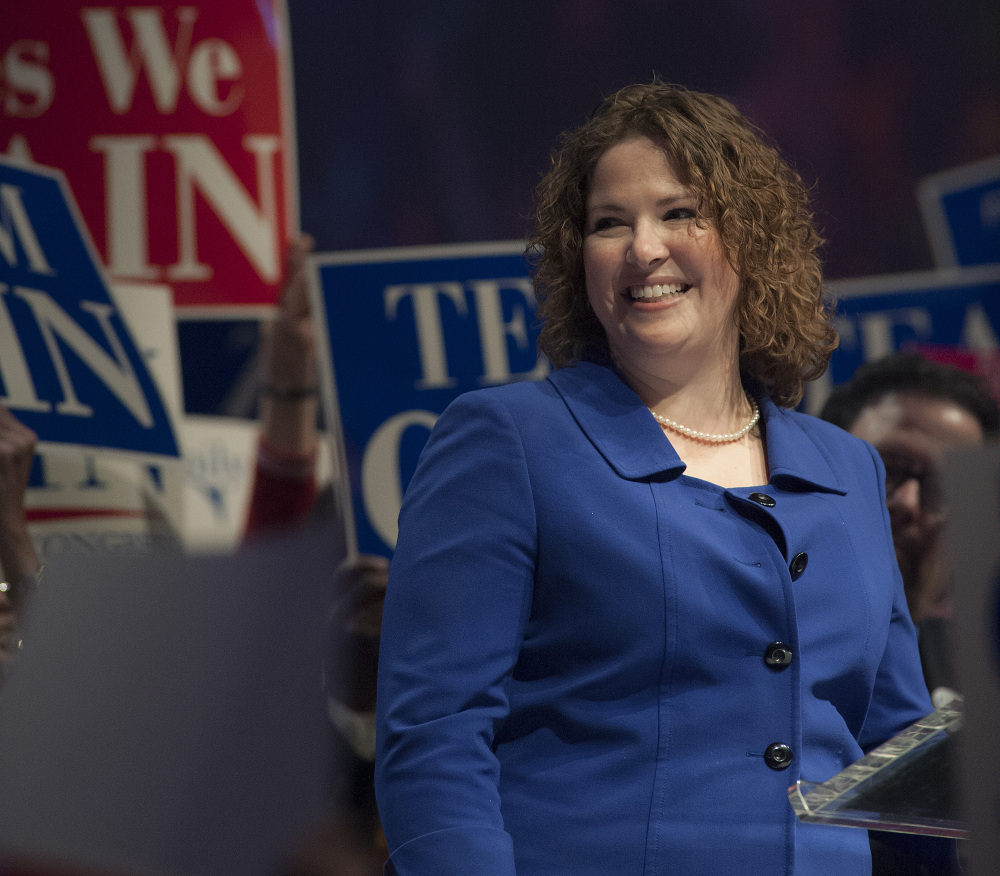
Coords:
pixel 647 292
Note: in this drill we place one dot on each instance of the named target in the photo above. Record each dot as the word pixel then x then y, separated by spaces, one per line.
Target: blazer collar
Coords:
pixel 618 424
pixel 795 456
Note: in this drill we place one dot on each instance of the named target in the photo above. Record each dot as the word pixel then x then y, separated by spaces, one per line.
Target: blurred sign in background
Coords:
pixel 172 124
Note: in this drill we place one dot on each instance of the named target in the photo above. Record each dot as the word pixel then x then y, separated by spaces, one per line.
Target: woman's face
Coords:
pixel 658 283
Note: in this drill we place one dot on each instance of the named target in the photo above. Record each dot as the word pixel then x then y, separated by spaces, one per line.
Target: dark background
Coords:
pixel 431 122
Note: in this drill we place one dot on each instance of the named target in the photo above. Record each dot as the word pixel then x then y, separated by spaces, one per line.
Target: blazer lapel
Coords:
pixel 795 457
pixel 616 421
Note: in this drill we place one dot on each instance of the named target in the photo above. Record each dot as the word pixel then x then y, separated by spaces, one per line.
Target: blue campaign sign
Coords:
pixel 402 333
pixel 878 315
pixel 961 210
pixel 69 369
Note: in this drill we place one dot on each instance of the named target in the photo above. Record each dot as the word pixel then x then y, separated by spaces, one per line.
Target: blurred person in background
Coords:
pixel 913 410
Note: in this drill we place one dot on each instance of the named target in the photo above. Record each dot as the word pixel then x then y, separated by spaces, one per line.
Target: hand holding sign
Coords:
pixel 288 416
pixel 18 559
pixel 17 449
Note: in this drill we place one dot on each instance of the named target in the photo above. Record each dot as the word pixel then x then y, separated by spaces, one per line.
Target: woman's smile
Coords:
pixel 657 291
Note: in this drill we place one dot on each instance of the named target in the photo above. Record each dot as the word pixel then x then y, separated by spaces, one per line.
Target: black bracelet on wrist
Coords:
pixel 291 393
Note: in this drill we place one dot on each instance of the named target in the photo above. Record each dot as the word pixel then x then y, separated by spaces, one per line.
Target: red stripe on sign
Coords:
pixel 38 515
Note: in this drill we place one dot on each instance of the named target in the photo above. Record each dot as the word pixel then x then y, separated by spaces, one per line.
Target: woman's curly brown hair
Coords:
pixel 743 188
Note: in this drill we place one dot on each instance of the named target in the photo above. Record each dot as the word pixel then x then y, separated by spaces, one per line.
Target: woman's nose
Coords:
pixel 648 245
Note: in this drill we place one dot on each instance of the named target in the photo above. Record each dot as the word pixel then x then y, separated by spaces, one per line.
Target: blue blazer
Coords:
pixel 589 658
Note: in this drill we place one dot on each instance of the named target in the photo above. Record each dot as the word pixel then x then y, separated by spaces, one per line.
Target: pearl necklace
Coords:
pixel 708 437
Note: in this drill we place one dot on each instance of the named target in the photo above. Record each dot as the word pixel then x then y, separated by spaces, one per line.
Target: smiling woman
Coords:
pixel 737 184
pixel 659 283
pixel 634 602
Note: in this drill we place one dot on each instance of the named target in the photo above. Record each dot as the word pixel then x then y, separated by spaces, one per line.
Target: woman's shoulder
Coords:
pixel 518 396
pixel 542 394
pixel 493 414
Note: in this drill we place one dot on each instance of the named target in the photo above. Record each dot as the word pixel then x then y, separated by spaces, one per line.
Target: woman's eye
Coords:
pixel 680 213
pixel 605 223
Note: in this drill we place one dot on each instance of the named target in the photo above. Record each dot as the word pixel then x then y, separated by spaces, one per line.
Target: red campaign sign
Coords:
pixel 173 125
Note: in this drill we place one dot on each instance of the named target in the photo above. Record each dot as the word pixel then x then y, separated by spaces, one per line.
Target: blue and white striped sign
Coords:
pixel 69 368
